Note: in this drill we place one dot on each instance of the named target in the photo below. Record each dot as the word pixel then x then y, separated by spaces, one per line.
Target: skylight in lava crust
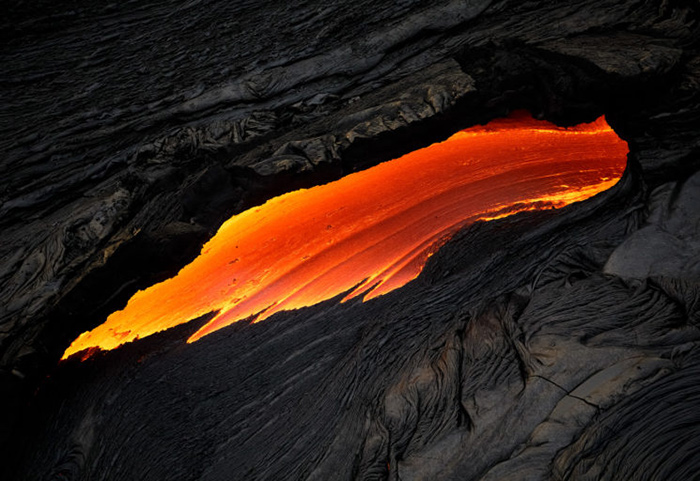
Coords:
pixel 372 231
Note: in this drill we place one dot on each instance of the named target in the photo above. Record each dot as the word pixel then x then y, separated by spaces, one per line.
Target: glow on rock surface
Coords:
pixel 372 230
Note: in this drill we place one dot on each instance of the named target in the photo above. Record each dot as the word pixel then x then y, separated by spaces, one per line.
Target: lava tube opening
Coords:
pixel 371 232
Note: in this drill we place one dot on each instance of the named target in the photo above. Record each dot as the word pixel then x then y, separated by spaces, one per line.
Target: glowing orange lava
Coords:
pixel 373 230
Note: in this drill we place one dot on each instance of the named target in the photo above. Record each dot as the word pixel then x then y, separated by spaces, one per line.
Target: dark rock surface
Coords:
pixel 546 346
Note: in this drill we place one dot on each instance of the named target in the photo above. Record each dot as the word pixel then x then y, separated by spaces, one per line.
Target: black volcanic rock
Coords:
pixel 668 244
pixel 551 345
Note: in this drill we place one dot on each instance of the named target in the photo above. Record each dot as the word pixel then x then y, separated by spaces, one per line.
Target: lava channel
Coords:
pixel 372 231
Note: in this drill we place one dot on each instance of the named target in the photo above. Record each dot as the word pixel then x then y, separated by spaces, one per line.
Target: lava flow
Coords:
pixel 371 232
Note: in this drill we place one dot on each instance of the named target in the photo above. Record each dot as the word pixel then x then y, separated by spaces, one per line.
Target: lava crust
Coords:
pixel 546 345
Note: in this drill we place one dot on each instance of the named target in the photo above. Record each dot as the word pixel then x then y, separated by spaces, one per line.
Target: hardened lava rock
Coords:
pixel 550 345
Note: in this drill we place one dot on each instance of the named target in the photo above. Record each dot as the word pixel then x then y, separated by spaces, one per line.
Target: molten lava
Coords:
pixel 371 231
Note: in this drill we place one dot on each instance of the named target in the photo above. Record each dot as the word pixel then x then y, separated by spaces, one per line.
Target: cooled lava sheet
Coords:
pixel 549 344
